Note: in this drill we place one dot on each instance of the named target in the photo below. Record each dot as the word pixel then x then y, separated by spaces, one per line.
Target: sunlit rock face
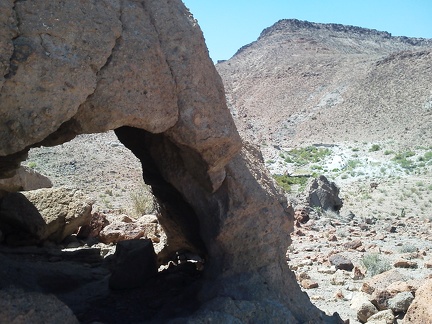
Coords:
pixel 142 69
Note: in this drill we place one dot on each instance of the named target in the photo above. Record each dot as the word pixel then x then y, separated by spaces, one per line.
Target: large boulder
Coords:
pixel 142 69
pixel 24 179
pixel 42 214
pixel 420 310
pixel 324 194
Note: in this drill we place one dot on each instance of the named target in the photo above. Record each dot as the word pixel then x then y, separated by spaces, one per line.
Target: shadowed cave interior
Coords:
pixel 69 275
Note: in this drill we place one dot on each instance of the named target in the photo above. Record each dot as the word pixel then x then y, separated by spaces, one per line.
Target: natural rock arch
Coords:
pixel 142 68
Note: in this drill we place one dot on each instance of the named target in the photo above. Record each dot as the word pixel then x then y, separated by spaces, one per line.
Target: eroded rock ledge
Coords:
pixel 142 68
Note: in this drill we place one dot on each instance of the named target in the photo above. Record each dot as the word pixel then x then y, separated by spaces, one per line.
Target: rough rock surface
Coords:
pixel 24 179
pixel 33 307
pixel 52 213
pixel 324 194
pixel 420 310
pixel 142 68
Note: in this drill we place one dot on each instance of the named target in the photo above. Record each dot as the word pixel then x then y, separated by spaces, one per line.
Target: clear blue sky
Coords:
pixel 230 24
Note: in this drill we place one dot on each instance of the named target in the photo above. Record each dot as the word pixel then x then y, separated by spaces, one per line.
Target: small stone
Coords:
pixel 402 263
pixel 327 270
pixel 363 226
pixel 303 275
pixel 382 317
pixel 427 264
pixel 353 244
pixel 357 274
pixel 341 262
pixel 400 302
pixel 332 238
pixel 338 278
pixel 390 229
pixel 309 284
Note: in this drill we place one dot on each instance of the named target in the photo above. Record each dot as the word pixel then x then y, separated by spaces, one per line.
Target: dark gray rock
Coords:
pixel 341 262
pixel 135 264
pixel 324 194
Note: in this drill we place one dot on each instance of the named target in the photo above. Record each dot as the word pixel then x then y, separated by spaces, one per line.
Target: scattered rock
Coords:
pixel 97 222
pixel 402 263
pixel 390 229
pixel 420 310
pixel 339 278
pixel 352 244
pixel 301 215
pixel 382 281
pixel 400 302
pixel 119 231
pixel 327 270
pixel 357 274
pixel 382 317
pixel 309 284
pixel 135 263
pixel 364 308
pixel 341 262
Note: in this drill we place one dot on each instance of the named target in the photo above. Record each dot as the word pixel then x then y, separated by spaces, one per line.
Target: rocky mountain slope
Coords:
pixel 303 82
pixel 355 105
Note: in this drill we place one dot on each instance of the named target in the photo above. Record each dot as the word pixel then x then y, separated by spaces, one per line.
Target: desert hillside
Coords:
pixel 355 105
pixel 304 82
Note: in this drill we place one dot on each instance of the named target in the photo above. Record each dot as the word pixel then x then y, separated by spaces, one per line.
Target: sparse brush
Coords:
pixel 374 148
pixel 408 248
pixel 375 264
pixel 143 201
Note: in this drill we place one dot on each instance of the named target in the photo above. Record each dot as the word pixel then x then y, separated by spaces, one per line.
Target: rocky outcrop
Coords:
pixel 142 68
pixel 43 214
pixel 324 194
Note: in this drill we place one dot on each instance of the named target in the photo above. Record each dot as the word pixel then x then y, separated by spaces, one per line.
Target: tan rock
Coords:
pixel 352 244
pixel 363 307
pixel 382 317
pixel 402 263
pixel 420 310
pixel 120 231
pixel 309 284
pixel 25 179
pixel 382 281
pixel 63 210
pixel 53 213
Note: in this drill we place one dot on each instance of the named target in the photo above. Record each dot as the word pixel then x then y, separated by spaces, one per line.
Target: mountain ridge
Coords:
pixel 307 82
pixel 286 26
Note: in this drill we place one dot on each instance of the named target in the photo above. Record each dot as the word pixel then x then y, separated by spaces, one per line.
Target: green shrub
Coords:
pixel 306 155
pixel 402 160
pixel 374 148
pixel 286 181
pixel 375 264
pixel 32 165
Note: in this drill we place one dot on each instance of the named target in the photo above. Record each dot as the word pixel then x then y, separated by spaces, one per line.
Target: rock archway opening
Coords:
pixel 180 259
